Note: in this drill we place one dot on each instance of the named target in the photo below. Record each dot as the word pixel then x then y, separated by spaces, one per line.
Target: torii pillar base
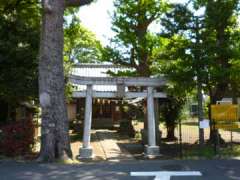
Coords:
pixel 151 151
pixel 85 153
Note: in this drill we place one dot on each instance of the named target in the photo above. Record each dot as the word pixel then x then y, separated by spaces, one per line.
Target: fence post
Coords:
pixel 180 138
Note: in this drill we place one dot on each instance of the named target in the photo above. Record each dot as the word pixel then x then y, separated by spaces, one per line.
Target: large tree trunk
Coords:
pixel 171 132
pixel 55 143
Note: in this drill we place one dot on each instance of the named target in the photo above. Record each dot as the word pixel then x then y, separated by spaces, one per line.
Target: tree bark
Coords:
pixel 170 132
pixel 55 143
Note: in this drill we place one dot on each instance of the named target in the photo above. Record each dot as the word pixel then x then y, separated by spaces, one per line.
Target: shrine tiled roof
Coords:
pixel 97 70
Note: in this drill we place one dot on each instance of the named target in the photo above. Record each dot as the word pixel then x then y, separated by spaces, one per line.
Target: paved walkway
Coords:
pixel 109 143
pixel 105 146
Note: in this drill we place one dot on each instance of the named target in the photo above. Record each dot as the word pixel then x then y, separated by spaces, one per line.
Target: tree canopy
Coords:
pixel 19 45
pixel 134 43
pixel 204 46
pixel 80 44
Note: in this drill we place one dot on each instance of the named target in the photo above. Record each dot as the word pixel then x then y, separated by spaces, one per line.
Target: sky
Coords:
pixel 96 17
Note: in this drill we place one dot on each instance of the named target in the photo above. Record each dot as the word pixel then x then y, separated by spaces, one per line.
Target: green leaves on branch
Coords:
pixel 80 44
pixel 133 44
pixel 19 41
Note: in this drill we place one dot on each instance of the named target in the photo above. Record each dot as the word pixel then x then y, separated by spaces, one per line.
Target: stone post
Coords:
pixel 151 149
pixel 86 150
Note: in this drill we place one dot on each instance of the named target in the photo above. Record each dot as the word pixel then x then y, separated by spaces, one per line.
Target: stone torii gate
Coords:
pixel 150 83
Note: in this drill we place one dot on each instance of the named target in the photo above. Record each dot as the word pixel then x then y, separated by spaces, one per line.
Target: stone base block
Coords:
pixel 86 153
pixel 152 151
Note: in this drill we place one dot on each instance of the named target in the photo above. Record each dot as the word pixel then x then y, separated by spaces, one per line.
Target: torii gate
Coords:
pixel 121 82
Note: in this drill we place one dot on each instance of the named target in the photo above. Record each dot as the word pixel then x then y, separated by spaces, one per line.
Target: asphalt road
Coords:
pixel 210 169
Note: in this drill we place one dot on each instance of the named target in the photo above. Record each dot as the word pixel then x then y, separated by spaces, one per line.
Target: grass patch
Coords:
pixel 229 151
pixel 138 136
pixel 208 152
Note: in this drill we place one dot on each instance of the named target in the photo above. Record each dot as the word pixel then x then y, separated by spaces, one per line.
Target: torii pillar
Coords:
pixel 85 151
pixel 151 149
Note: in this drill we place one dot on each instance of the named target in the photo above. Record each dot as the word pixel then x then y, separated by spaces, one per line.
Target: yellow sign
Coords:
pixel 227 126
pixel 225 112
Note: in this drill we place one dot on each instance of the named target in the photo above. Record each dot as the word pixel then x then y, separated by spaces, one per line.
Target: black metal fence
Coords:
pixel 223 142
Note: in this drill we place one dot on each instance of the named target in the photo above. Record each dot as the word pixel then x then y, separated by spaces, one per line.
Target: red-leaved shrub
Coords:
pixel 17 138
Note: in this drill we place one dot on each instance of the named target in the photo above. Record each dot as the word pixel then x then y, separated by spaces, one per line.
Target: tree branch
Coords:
pixel 77 3
pixel 132 58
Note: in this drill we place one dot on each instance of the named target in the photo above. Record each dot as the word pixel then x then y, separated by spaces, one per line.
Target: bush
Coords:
pixel 17 138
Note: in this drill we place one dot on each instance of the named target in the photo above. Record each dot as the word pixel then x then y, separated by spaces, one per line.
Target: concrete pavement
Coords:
pixel 210 169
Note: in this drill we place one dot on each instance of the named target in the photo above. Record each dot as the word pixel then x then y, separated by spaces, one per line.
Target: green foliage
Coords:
pixel 196 152
pixel 19 40
pixel 203 46
pixel 200 49
pixel 176 63
pixel 133 44
pixel 221 46
pixel 182 54
pixel 221 28
pixel 208 152
pixel 80 44
pixel 171 109
pixel 132 17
